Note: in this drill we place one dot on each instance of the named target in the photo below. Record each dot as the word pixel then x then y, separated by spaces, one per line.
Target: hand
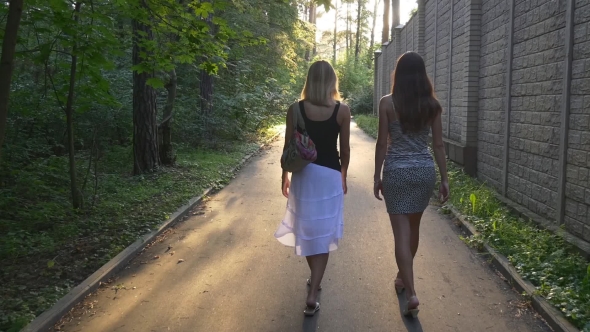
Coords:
pixel 285 186
pixel 378 187
pixel 344 186
pixel 443 192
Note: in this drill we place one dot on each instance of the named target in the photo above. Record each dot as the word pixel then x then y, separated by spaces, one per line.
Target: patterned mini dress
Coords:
pixel 409 175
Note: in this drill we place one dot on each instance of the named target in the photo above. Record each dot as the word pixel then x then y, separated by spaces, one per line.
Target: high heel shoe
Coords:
pixel 399 285
pixel 414 310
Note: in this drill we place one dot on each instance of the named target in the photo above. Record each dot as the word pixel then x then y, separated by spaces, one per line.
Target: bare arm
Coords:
pixel 383 133
pixel 439 148
pixel 288 133
pixel 344 138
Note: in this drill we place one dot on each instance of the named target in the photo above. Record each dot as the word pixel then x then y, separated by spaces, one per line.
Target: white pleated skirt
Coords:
pixel 313 223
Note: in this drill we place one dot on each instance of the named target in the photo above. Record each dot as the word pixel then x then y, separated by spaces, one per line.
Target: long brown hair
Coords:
pixel 413 96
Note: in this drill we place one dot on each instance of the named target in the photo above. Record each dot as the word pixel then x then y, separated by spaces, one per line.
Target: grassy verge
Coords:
pixel 559 274
pixel 46 248
pixel 368 123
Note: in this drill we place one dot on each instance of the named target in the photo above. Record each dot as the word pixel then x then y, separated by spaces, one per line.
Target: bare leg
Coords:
pixel 317 265
pixel 414 234
pixel 403 253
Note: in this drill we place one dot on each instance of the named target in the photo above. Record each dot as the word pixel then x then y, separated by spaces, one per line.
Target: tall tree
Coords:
pixel 385 34
pixel 206 80
pixel 334 45
pixel 145 128
pixel 374 17
pixel 348 28
pixel 394 15
pixel 357 47
pixel 15 10
pixel 312 14
pixel 166 151
pixel 76 194
pixel 313 20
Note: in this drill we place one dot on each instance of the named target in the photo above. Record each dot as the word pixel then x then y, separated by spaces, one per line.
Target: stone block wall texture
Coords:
pixel 465 45
pixel 441 47
pixel 458 108
pixel 537 86
pixel 577 191
pixel 492 91
pixel 430 37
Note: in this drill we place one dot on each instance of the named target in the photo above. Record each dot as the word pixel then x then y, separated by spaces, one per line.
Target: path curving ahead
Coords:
pixel 236 277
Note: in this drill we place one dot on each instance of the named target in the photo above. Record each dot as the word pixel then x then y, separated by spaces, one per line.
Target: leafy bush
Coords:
pixel 362 101
pixel 368 123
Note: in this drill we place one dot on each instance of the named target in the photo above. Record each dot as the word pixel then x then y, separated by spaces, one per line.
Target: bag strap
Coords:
pixel 297 117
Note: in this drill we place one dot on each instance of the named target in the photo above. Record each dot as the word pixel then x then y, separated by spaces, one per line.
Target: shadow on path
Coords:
pixel 411 324
pixel 310 324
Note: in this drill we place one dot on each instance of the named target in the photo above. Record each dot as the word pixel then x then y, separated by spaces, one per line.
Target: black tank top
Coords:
pixel 324 135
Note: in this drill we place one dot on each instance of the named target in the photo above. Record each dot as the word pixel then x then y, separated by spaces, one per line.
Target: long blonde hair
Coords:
pixel 321 85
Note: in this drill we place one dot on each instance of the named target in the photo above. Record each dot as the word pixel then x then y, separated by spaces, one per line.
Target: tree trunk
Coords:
pixel 76 194
pixel 206 82
pixel 335 30
pixel 206 91
pixel 145 129
pixel 357 47
pixel 394 15
pixel 372 45
pixel 311 10
pixel 166 151
pixel 385 34
pixel 15 10
pixel 348 25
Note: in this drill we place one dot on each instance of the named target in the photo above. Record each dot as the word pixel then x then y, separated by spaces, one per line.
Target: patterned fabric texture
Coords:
pixel 408 190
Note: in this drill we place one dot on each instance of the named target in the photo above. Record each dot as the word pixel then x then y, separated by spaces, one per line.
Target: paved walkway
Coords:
pixel 237 277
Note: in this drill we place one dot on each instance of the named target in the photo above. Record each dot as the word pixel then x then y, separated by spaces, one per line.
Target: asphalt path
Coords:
pixel 222 270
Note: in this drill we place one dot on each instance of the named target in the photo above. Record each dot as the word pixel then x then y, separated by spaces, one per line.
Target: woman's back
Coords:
pixel 322 127
pixel 408 149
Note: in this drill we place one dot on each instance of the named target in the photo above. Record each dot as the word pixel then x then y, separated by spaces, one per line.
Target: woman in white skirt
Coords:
pixel 313 220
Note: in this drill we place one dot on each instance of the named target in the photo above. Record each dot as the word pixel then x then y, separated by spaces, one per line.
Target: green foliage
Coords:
pixel 362 101
pixel 253 48
pixel 353 79
pixel 368 123
pixel 545 259
pixel 542 257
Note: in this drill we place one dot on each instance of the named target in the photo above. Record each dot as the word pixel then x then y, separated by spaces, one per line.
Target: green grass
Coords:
pixel 46 248
pixel 559 274
pixel 368 123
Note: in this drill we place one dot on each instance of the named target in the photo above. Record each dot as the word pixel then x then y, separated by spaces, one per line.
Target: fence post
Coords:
pixel 449 80
pixel 421 26
pixel 508 101
pixel 376 82
pixel 435 50
pixel 565 110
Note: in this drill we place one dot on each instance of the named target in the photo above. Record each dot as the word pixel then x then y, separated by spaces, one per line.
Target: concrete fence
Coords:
pixel 513 77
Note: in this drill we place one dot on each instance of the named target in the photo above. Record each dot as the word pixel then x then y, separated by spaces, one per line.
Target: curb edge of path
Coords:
pixel 50 317
pixel 552 316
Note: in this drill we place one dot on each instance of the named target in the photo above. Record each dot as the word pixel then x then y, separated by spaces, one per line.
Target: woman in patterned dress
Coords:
pixel 406 117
